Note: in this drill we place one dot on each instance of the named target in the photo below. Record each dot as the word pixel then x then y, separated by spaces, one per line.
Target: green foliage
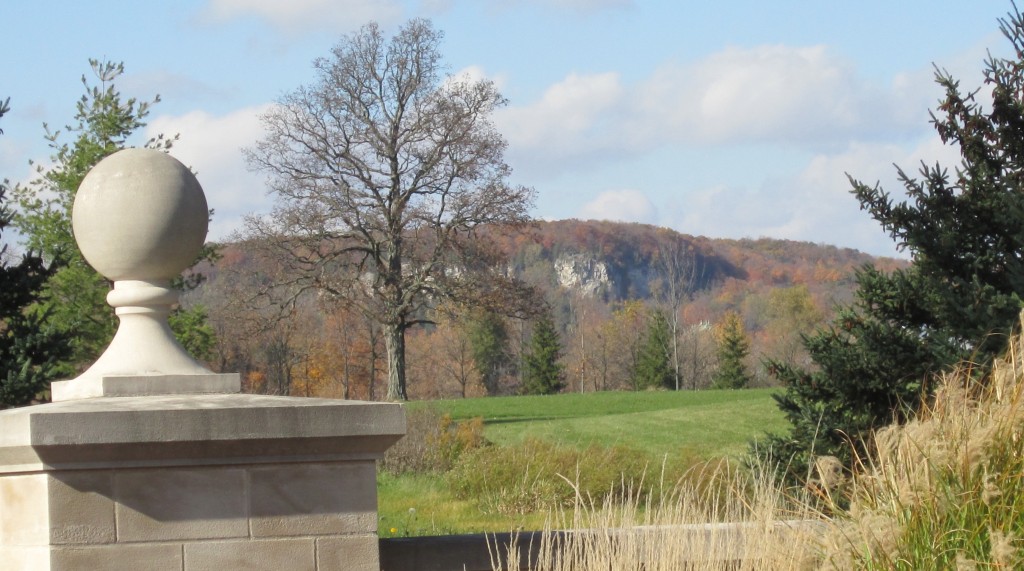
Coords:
pixel 104 124
pixel 733 348
pixel 870 372
pixel 74 297
pixel 194 332
pixel 29 349
pixel 73 300
pixel 543 374
pixel 654 364
pixel 488 339
pixel 959 299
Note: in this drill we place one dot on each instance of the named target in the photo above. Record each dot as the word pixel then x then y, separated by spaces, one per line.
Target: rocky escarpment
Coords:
pixel 591 276
pixel 582 273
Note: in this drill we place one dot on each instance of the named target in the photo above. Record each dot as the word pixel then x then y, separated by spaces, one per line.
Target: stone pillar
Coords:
pixel 150 461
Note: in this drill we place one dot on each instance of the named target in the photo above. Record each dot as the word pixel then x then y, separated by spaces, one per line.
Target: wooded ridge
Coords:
pixel 600 277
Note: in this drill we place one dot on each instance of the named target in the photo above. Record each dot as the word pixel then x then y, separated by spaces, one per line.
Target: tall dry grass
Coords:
pixel 944 491
pixel 730 521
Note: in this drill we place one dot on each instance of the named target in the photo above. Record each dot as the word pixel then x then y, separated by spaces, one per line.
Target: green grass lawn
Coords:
pixel 415 505
pixel 707 424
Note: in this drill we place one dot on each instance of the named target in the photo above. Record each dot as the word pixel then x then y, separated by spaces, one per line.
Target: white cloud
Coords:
pixel 11 159
pixel 589 6
pixel 297 16
pixel 211 146
pixel 814 204
pixel 573 118
pixel 578 6
pixel 796 97
pixel 477 73
pixel 778 93
pixel 621 206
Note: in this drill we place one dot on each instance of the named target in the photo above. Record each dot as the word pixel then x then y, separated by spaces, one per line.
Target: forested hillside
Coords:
pixel 609 286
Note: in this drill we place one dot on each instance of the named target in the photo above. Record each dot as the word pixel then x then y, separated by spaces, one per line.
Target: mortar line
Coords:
pixel 115 491
pixel 247 497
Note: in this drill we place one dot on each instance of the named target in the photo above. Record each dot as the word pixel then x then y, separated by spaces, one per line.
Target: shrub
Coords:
pixel 433 442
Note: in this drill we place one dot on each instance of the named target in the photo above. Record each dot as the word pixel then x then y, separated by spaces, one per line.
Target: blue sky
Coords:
pixel 724 119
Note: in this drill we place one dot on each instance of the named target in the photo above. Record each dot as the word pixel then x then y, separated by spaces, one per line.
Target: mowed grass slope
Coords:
pixel 708 423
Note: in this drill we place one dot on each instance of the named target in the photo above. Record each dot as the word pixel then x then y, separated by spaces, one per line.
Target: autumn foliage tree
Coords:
pixel 384 168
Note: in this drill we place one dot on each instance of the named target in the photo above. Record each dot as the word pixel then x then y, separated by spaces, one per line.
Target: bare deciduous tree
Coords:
pixel 384 168
pixel 681 271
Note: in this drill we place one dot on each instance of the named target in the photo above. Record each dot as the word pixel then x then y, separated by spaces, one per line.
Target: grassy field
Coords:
pixel 707 424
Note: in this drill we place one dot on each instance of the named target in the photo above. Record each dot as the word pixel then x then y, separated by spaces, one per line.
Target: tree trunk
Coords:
pixel 347 378
pixel 394 342
pixel 675 347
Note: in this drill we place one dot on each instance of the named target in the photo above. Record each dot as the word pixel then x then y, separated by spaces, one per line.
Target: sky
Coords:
pixel 736 119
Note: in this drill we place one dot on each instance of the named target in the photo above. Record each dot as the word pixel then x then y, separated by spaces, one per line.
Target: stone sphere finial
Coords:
pixel 140 218
pixel 140 214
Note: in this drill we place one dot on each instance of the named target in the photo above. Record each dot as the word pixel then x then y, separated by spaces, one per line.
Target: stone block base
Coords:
pixel 196 494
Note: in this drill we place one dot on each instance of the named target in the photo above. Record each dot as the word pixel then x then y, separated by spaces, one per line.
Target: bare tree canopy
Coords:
pixel 384 168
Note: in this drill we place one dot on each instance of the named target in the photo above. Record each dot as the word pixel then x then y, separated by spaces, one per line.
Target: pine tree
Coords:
pixel 488 339
pixel 29 350
pixel 543 374
pixel 733 348
pixel 654 365
pixel 959 300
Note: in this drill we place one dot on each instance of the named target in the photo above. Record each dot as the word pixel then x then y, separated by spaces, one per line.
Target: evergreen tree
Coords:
pixel 958 300
pixel 74 296
pixel 733 348
pixel 654 365
pixel 488 339
pixel 29 349
pixel 543 374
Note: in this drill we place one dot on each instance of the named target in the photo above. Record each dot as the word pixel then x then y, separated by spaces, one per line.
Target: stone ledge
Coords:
pixel 194 430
